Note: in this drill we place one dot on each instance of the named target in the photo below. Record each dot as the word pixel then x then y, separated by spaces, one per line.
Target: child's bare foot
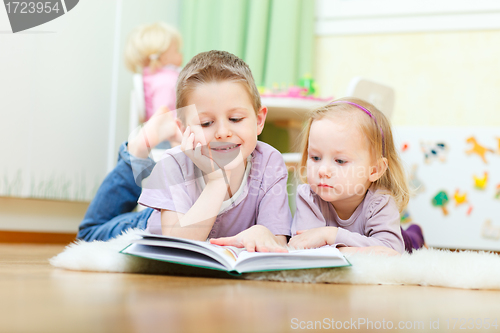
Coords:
pixel 165 126
pixel 416 235
pixel 160 127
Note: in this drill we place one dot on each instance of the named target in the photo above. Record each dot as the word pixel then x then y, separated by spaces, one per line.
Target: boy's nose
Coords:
pixel 223 131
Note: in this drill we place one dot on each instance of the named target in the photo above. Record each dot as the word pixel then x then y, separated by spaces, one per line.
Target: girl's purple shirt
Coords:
pixel 375 222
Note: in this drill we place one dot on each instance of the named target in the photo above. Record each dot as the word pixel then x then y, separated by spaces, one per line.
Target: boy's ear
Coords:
pixel 261 119
pixel 180 125
pixel 377 170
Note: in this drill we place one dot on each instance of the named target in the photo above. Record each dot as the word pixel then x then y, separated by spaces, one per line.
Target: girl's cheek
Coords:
pixel 311 175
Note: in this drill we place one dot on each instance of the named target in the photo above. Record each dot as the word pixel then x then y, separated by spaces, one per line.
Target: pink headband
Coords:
pixel 371 116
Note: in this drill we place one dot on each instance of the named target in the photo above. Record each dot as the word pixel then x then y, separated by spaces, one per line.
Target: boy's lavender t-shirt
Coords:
pixel 174 185
pixel 375 222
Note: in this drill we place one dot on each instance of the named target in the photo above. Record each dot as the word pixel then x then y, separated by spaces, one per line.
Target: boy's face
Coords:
pixel 224 122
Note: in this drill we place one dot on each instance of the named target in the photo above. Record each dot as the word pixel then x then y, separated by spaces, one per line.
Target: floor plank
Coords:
pixel 45 299
pixel 24 237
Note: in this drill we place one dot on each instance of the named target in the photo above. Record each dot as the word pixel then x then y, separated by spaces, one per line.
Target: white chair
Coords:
pixel 137 103
pixel 376 93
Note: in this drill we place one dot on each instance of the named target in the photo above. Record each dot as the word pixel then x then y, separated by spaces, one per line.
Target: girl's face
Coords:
pixel 172 56
pixel 224 122
pixel 339 161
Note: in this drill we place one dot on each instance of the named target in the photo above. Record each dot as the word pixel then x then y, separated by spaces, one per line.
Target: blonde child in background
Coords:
pixel 356 186
pixel 153 50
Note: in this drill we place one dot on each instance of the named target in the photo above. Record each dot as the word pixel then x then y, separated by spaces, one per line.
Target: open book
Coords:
pixel 230 259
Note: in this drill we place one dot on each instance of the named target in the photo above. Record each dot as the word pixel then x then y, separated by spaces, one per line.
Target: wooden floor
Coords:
pixel 36 297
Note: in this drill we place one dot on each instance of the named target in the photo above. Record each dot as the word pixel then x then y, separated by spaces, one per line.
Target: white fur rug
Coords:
pixel 426 267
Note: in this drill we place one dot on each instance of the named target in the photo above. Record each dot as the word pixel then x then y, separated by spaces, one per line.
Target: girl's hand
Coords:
pixel 314 238
pixel 255 239
pixel 192 148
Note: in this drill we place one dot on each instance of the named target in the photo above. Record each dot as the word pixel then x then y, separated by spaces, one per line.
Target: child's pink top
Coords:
pixel 175 184
pixel 375 221
pixel 159 89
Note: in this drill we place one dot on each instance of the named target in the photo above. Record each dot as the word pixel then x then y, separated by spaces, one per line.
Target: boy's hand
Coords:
pixel 193 151
pixel 255 239
pixel 314 238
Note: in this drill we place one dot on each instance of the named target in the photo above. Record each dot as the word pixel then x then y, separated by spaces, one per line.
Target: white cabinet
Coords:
pixel 290 114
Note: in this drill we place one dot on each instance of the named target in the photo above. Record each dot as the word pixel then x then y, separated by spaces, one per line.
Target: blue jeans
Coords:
pixel 110 212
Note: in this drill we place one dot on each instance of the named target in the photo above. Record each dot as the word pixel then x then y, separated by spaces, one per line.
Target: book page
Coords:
pixel 230 251
pixel 226 255
pixel 174 255
pixel 239 260
pixel 327 256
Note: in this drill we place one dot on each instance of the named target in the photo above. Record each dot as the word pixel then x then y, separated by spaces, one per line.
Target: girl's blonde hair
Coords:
pixel 379 135
pixel 147 43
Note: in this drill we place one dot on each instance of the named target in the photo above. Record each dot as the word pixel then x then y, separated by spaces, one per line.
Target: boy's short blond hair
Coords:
pixel 147 43
pixel 214 66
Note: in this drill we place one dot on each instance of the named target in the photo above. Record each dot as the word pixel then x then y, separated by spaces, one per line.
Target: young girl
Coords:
pixel 154 51
pixel 356 186
pixel 221 182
